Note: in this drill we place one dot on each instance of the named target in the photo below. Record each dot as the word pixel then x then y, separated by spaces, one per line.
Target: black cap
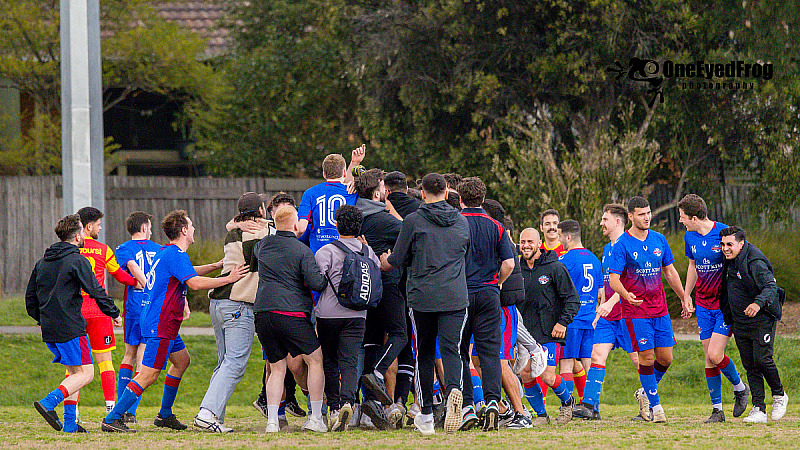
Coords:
pixel 250 201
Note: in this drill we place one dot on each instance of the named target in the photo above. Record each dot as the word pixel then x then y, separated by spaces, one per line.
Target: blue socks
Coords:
pixel 659 371
pixel 171 384
pixel 594 384
pixel 648 379
pixel 70 415
pixel 714 381
pixel 477 389
pixel 534 395
pixel 728 368
pixel 125 375
pixel 131 395
pixel 54 398
pixel 561 390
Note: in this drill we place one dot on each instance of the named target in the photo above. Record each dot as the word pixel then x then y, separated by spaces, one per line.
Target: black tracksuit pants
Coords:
pixel 341 340
pixel 484 322
pixel 755 343
pixel 449 325
pixel 405 367
pixel 388 318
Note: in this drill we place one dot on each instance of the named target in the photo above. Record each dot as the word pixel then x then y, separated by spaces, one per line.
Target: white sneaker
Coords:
pixel 756 416
pixel 366 421
pixel 426 428
pixel 333 419
pixel 314 424
pixel 779 403
pixel 341 418
pixel 272 428
pixel 538 361
pixel 355 419
pixel 213 425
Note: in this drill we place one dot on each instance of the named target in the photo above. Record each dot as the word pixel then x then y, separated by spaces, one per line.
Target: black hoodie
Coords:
pixel 53 297
pixel 746 279
pixel 403 203
pixel 380 229
pixel 433 244
pixel 550 297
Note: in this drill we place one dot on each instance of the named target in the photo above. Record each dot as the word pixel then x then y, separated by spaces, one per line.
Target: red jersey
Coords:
pixel 101 257
pixel 559 249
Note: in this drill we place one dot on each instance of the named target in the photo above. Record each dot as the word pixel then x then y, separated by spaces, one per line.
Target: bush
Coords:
pixel 780 247
pixel 204 251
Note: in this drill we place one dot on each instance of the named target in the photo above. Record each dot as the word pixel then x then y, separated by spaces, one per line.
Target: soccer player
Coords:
pixel 703 247
pixel 53 299
pixel 319 203
pixel 610 332
pixel 169 277
pixel 550 304
pixel 548 225
pixel 586 272
pixel 637 261
pixel 433 244
pixel 136 257
pixel 98 325
pixel 489 262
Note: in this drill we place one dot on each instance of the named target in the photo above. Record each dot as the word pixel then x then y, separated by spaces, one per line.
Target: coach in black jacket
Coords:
pixel 381 229
pixel 397 194
pixel 749 285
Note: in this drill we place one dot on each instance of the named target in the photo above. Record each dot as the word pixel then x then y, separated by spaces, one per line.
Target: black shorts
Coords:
pixel 280 335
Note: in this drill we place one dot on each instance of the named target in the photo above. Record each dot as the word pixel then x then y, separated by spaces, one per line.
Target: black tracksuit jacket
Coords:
pixel 53 297
pixel 550 297
pixel 748 278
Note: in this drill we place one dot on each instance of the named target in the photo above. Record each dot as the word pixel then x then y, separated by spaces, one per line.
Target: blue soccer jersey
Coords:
pixel 616 311
pixel 141 251
pixel 639 265
pixel 318 206
pixel 162 310
pixel 706 252
pixel 586 273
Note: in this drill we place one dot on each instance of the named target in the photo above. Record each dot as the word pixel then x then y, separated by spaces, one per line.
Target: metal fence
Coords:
pixel 31 206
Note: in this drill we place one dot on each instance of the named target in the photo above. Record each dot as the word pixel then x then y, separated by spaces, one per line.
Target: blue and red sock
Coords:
pixel 594 384
pixel 124 376
pixel 133 391
pixel 70 416
pixel 648 379
pixel 54 398
pixel 659 370
pixel 171 384
pixel 714 382
pixel 728 368
pixel 561 391
pixel 534 395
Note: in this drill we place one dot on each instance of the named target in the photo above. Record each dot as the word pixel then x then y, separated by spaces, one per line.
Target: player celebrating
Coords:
pixel 704 249
pixel 585 271
pixel 609 332
pixel 98 325
pixel 548 225
pixel 171 273
pixel 135 256
pixel 53 299
pixel 638 258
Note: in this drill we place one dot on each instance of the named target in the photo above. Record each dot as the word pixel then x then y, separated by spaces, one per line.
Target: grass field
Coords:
pixel 683 394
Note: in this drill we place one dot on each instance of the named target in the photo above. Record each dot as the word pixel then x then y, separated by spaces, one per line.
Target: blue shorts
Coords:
pixel 508 332
pixel 157 351
pixel 133 330
pixel 612 332
pixel 74 352
pixel 579 343
pixel 711 321
pixel 645 334
pixel 553 353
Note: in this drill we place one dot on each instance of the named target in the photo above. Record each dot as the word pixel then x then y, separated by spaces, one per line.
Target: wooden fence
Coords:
pixel 31 206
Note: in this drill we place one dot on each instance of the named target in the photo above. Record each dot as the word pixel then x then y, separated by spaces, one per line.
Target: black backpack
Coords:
pixel 361 287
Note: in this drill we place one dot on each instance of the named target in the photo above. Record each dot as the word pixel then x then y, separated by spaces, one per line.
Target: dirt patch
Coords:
pixel 789 326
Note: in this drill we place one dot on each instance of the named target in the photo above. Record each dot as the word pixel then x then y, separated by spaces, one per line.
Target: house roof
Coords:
pixel 202 18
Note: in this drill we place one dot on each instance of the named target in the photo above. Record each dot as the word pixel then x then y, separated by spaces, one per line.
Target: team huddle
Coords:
pixel 369 290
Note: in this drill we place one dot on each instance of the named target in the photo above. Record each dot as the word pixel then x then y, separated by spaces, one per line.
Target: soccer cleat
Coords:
pixel 740 401
pixel 779 403
pixel 582 411
pixel 272 427
pixel 452 417
pixel 260 406
pixel 315 424
pixel 411 412
pixel 374 410
pixel 282 422
pixel 394 414
pixel 355 418
pixel 339 423
pixel 521 359
pixel 491 417
pixel 756 416
pixel 212 425
pixel 507 416
pixel 468 419
pixel 293 408
pixel 717 416
pixel 115 427
pixel 519 422
pixel 658 417
pixel 364 420
pixel 50 416
pixel 377 388
pixel 129 418
pixel 424 427
pixel 78 429
pixel 644 404
pixel 596 415
pixel 541 420
pixel 171 422
pixel 565 412
pixel 438 414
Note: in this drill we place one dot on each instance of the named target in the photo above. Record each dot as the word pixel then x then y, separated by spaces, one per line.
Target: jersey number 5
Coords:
pixel 589 278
